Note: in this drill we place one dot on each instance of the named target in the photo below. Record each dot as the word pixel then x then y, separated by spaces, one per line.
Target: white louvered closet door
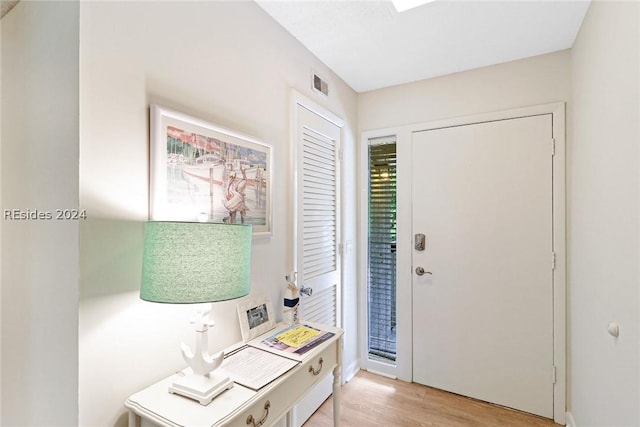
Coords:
pixel 317 232
pixel 318 217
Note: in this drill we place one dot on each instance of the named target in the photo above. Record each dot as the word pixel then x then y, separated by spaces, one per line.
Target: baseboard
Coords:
pixel 350 371
pixel 570 421
pixel 383 374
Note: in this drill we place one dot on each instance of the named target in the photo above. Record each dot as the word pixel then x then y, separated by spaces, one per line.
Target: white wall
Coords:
pixel 532 81
pixel 604 217
pixel 40 257
pixel 226 62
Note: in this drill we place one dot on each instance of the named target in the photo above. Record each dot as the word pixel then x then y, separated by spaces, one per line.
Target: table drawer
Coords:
pixel 318 366
pixel 275 403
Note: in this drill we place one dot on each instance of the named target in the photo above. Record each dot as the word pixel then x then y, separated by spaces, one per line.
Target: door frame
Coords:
pixel 403 368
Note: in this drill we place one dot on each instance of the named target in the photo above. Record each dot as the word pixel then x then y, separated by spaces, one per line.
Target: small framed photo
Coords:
pixel 256 317
pixel 200 171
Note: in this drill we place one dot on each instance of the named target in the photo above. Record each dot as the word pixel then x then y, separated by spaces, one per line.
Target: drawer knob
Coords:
pixel 313 371
pixel 252 421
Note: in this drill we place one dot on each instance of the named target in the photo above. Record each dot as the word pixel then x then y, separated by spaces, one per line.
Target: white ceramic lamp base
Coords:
pixel 205 382
pixel 203 388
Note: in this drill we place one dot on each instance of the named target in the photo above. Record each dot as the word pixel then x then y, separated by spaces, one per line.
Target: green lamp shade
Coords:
pixel 193 262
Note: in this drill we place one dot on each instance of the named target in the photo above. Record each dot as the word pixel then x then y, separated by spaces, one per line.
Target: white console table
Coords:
pixel 241 406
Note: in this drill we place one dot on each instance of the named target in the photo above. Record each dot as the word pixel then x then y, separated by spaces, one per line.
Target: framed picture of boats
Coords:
pixel 200 171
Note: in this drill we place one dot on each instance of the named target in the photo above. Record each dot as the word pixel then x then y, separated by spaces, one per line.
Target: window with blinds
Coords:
pixel 381 280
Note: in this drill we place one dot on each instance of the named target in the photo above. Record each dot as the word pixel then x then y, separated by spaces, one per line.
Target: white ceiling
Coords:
pixel 371 46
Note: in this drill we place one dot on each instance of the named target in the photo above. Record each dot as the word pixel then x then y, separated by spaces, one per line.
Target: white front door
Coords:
pixel 317 229
pixel 483 310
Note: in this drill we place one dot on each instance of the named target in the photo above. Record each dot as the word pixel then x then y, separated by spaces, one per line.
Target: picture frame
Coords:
pixel 200 171
pixel 256 317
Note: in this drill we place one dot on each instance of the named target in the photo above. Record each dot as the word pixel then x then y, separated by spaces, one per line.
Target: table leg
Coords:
pixel 337 380
pixel 134 419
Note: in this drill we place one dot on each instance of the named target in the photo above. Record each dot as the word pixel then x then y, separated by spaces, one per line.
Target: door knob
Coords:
pixel 306 291
pixel 420 271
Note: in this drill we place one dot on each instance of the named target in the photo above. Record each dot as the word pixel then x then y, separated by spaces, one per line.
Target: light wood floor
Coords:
pixel 373 400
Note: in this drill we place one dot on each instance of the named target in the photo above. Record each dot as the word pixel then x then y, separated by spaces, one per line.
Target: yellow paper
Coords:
pixel 298 336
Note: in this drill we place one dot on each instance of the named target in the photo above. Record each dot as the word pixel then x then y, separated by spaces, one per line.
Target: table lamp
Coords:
pixel 196 262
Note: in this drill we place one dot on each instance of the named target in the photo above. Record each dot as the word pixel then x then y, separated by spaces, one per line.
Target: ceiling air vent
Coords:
pixel 320 85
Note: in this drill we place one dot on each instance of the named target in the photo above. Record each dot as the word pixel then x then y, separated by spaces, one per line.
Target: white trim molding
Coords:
pixel 348 372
